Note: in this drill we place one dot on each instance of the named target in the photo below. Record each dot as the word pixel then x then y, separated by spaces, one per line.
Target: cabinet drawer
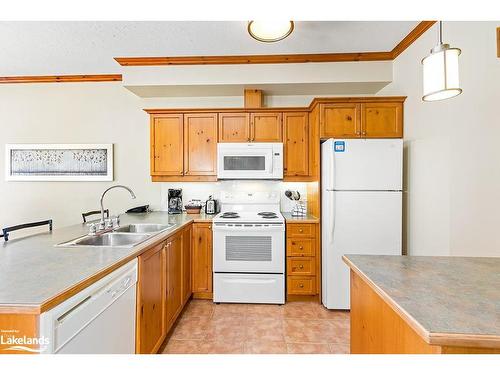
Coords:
pixel 301 285
pixel 300 247
pixel 300 230
pixel 301 266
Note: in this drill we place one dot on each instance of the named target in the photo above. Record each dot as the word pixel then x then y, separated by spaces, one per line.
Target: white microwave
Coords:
pixel 250 161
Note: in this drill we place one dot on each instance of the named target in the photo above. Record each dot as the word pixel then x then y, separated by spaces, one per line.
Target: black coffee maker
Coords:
pixel 174 201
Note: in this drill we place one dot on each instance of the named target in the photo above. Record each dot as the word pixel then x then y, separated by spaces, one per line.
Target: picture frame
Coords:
pixel 59 162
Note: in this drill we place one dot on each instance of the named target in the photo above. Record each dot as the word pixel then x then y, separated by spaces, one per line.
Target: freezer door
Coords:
pixel 359 223
pixel 363 164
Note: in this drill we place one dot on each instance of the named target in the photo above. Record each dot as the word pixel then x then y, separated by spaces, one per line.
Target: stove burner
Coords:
pixel 230 215
pixel 268 215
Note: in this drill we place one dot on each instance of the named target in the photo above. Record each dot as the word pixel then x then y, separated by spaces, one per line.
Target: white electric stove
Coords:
pixel 249 249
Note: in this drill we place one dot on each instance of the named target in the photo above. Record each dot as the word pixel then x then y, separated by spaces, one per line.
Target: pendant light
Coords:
pixel 441 71
pixel 270 31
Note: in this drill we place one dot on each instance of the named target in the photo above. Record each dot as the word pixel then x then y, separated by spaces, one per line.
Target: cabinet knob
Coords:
pixel 301 230
pixel 209 227
pixel 301 247
pixel 301 266
pixel 301 285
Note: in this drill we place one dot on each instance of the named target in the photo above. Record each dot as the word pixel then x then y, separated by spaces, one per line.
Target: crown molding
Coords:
pixel 63 78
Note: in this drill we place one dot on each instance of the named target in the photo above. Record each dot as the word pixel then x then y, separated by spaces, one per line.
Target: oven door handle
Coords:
pixel 250 281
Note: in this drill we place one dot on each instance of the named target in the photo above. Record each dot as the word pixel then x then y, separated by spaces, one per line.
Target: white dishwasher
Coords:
pixel 98 320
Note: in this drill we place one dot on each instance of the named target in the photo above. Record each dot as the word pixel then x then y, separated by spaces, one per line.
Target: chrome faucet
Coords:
pixel 102 224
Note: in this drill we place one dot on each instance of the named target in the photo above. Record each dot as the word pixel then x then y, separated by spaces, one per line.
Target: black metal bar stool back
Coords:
pixel 6 231
pixel 97 212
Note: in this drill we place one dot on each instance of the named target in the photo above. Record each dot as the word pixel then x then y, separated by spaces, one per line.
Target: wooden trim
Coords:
pixel 408 40
pixel 254 59
pixel 498 41
pixel 63 78
pixel 281 59
pixel 432 338
pixel 314 102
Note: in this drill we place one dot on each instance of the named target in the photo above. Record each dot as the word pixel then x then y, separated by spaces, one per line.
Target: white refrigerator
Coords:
pixel 361 207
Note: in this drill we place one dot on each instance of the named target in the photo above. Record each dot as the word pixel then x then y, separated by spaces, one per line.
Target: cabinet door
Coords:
pixel 174 279
pixel 296 143
pixel 340 120
pixel 202 258
pixel 234 127
pixel 151 328
pixel 382 120
pixel 167 145
pixel 265 127
pixel 200 144
pixel 186 264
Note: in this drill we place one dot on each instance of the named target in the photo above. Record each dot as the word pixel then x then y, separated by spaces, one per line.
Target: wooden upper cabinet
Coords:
pixel 265 127
pixel 296 143
pixel 200 144
pixel 167 145
pixel 382 120
pixel 234 127
pixel 151 301
pixel 340 120
pixel 174 296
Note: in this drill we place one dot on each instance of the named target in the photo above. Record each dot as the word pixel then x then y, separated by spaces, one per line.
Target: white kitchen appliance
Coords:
pixel 250 161
pixel 249 249
pixel 98 320
pixel 361 207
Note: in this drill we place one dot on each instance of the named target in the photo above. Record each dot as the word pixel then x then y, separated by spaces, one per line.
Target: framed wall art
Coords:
pixel 59 162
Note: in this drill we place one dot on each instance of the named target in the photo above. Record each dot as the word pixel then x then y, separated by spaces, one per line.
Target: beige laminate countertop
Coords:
pixel 446 300
pixel 35 275
pixel 295 219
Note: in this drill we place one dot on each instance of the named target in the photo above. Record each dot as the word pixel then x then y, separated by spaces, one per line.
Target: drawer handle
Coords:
pixel 301 285
pixel 301 247
pixel 301 230
pixel 301 266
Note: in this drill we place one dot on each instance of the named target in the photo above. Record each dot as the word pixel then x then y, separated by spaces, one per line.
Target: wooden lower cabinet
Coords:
pixel 186 263
pixel 163 288
pixel 302 261
pixel 151 301
pixel 174 275
pixel 202 260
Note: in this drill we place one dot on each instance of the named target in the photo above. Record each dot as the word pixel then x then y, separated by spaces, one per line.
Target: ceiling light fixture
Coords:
pixel 441 71
pixel 270 31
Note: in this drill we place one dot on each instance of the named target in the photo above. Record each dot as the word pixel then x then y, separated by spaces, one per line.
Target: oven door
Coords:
pixel 244 161
pixel 249 248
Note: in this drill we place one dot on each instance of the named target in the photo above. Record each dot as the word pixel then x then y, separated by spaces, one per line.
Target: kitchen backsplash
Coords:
pixel 201 190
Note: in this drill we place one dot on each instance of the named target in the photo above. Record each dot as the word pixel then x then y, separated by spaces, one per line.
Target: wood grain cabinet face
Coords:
pixel 151 300
pixel 167 145
pixel 202 258
pixel 200 144
pixel 186 264
pixel 234 127
pixel 382 120
pixel 301 285
pixel 301 266
pixel 340 120
pixel 296 143
pixel 174 296
pixel 265 127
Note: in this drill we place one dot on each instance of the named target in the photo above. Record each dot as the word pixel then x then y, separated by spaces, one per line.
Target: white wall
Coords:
pixel 452 147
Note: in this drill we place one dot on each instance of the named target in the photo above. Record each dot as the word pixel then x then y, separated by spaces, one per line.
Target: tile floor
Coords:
pixel 296 327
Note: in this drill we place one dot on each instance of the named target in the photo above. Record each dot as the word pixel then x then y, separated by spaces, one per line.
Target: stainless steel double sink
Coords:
pixel 125 236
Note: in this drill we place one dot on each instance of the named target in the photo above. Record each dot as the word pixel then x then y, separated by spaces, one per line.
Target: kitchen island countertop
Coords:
pixel 35 275
pixel 444 299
